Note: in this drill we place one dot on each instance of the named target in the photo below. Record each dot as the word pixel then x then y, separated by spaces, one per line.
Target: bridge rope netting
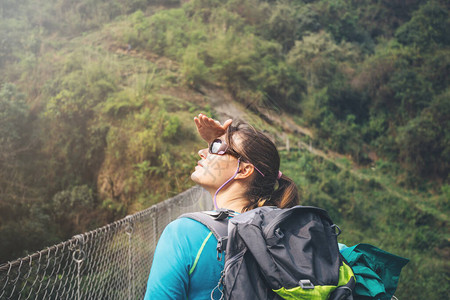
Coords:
pixel 111 262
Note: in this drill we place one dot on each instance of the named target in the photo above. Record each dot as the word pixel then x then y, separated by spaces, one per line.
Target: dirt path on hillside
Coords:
pixel 226 108
pixel 223 104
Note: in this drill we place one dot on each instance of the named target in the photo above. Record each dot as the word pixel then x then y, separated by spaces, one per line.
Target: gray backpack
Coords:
pixel 273 253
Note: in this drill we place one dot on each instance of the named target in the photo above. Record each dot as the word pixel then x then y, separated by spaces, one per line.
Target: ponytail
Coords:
pixel 286 195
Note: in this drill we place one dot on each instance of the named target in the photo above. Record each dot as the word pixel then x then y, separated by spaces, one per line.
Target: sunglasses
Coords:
pixel 219 147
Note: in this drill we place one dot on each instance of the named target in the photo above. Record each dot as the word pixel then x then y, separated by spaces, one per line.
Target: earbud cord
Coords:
pixel 226 182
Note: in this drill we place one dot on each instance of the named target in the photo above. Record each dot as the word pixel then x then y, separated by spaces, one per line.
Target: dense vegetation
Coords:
pixel 97 98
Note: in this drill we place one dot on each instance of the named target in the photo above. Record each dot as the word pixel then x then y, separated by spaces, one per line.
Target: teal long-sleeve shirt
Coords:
pixel 185 264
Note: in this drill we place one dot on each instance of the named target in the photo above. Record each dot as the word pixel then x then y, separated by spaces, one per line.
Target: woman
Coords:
pixel 240 168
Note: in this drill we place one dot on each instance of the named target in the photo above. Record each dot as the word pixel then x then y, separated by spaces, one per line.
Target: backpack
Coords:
pixel 273 253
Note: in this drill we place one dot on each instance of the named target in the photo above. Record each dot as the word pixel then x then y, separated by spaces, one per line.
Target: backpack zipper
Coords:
pixel 233 259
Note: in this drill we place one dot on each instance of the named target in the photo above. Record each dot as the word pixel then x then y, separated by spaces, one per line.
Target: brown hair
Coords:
pixel 256 148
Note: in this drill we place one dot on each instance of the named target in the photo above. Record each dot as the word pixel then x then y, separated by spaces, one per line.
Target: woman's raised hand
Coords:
pixel 209 129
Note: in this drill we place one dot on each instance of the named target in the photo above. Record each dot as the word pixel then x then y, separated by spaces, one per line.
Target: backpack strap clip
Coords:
pixel 220 214
pixel 221 246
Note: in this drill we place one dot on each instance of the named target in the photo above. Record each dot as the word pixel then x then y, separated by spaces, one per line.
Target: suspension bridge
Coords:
pixel 111 262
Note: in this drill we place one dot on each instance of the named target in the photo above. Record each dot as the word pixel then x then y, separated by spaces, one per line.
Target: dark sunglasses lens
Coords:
pixel 218 147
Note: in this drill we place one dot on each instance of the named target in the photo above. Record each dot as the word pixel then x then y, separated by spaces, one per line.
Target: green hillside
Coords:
pixel 97 99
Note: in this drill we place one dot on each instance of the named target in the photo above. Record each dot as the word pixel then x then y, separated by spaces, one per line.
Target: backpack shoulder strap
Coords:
pixel 218 227
pixel 217 222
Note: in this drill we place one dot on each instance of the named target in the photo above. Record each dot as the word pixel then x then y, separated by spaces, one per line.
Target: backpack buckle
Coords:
pixel 223 214
pixel 220 214
pixel 221 246
pixel 306 284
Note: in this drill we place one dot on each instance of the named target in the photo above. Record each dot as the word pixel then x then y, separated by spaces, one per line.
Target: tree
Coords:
pixel 13 131
pixel 428 26
pixel 424 142
pixel 282 26
pixel 73 210
pixel 317 57
pixel 74 141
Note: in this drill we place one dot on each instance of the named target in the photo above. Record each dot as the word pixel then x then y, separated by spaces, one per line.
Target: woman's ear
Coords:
pixel 245 170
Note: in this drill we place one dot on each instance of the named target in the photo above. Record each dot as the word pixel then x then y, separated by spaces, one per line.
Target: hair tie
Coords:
pixel 279 174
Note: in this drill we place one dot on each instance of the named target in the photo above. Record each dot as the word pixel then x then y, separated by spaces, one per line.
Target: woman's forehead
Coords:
pixel 235 139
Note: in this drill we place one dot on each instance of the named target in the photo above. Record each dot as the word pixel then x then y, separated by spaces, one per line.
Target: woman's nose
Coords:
pixel 203 153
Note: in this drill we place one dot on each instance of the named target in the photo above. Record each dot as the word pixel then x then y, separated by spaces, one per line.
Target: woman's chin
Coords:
pixel 199 179
pixel 195 178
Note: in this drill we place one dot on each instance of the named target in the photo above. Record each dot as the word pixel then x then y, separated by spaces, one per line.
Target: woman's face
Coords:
pixel 213 170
